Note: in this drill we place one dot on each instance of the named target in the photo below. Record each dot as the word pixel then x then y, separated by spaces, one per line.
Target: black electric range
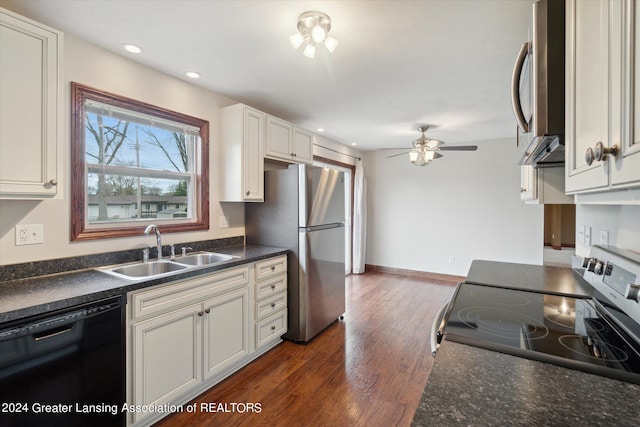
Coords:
pixel 600 335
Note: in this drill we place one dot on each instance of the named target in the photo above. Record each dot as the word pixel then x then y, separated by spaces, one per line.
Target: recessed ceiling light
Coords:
pixel 320 129
pixel 354 143
pixel 193 74
pixel 131 48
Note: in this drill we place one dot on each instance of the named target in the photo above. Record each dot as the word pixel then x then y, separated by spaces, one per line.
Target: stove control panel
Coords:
pixel 615 273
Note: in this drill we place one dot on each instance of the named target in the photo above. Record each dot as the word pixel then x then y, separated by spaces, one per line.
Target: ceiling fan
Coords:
pixel 425 149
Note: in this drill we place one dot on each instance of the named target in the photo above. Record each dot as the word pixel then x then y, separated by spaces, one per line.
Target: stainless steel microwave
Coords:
pixel 537 86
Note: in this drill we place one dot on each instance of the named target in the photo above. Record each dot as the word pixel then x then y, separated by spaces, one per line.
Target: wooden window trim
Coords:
pixel 79 230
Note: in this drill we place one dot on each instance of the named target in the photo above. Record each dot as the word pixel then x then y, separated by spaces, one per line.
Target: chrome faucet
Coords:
pixel 158 238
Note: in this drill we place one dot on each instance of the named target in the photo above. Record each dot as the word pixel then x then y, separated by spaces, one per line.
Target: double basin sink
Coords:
pixel 159 268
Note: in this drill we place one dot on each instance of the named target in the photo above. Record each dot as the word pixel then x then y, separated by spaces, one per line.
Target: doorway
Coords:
pixel 559 234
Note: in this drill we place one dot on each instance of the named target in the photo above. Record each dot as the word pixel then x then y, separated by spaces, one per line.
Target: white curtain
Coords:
pixel 359 219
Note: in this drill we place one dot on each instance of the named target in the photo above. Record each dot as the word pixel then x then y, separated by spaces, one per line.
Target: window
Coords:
pixel 134 164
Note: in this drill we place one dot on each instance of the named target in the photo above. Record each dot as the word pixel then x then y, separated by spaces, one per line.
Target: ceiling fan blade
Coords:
pixel 458 148
pixel 399 154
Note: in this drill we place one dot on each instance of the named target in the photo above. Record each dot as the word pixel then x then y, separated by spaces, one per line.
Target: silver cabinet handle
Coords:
pixel 601 151
pixel 52 182
pixel 208 310
pixel 273 304
pixel 273 286
pixel 201 313
pixel 273 327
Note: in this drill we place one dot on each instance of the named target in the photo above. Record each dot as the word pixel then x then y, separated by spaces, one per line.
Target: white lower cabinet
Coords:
pixel 271 301
pixel 167 357
pixel 184 337
pixel 226 330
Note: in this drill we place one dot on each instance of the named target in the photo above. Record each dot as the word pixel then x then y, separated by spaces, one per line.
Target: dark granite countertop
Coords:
pixel 472 386
pixel 35 295
pixel 557 280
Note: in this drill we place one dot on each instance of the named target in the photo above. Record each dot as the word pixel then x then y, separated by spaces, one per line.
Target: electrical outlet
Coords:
pixel 29 234
pixel 452 259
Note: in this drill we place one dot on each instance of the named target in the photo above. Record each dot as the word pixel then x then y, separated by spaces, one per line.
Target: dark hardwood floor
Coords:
pixel 367 370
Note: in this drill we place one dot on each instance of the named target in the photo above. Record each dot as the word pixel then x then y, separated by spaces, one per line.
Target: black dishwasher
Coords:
pixel 64 367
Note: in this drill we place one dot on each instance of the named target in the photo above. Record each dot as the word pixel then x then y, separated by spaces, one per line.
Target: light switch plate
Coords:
pixel 604 237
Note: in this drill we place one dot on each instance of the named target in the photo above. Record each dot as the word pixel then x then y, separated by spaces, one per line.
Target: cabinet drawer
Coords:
pixel 270 267
pixel 172 296
pixel 271 328
pixel 271 287
pixel 271 305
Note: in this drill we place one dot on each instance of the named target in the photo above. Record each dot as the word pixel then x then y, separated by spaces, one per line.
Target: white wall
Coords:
pixel 622 222
pixel 84 63
pixel 466 205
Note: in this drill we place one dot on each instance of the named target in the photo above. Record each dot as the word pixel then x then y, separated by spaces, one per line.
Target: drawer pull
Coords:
pixel 273 286
pixel 273 327
pixel 201 313
pixel 208 310
pixel 273 268
pixel 273 304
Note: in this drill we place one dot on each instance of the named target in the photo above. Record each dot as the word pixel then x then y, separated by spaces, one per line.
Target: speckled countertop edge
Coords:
pixel 30 296
pixel 472 386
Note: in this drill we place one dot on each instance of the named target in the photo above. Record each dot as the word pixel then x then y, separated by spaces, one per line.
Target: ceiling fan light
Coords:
pixel 330 43
pixel 413 155
pixel 296 40
pixel 310 50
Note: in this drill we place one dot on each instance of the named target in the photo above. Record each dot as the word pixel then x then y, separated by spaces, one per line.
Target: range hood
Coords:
pixel 544 82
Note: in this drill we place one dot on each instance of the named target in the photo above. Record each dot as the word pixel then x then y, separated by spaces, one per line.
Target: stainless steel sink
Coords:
pixel 153 269
pixel 204 258
pixel 146 269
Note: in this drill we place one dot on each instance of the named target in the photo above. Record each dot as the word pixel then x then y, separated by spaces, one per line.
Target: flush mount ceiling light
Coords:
pixel 313 29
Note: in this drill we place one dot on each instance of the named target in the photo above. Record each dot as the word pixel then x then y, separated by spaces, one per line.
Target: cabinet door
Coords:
pixel 278 139
pixel 302 146
pixel 226 330
pixel 167 356
pixel 253 155
pixel 528 181
pixel 587 92
pixel 29 108
pixel 626 171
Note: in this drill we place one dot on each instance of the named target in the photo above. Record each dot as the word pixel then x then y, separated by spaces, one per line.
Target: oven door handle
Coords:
pixel 435 329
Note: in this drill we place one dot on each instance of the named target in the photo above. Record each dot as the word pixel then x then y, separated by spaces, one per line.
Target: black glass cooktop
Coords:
pixel 571 332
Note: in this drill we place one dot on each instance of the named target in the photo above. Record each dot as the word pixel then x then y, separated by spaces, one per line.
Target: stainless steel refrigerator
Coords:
pixel 304 212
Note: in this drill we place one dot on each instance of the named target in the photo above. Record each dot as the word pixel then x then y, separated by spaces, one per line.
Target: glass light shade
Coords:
pixel 310 50
pixel 413 155
pixel 296 40
pixel 330 43
pixel 318 34
pixel 428 155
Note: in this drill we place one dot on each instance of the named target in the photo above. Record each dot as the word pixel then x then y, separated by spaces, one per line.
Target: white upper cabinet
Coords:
pixel 286 142
pixel 242 131
pixel 30 84
pixel 601 149
pixel 302 145
pixel 626 171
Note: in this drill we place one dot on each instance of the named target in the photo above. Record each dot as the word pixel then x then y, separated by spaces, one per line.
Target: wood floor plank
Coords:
pixel 366 370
